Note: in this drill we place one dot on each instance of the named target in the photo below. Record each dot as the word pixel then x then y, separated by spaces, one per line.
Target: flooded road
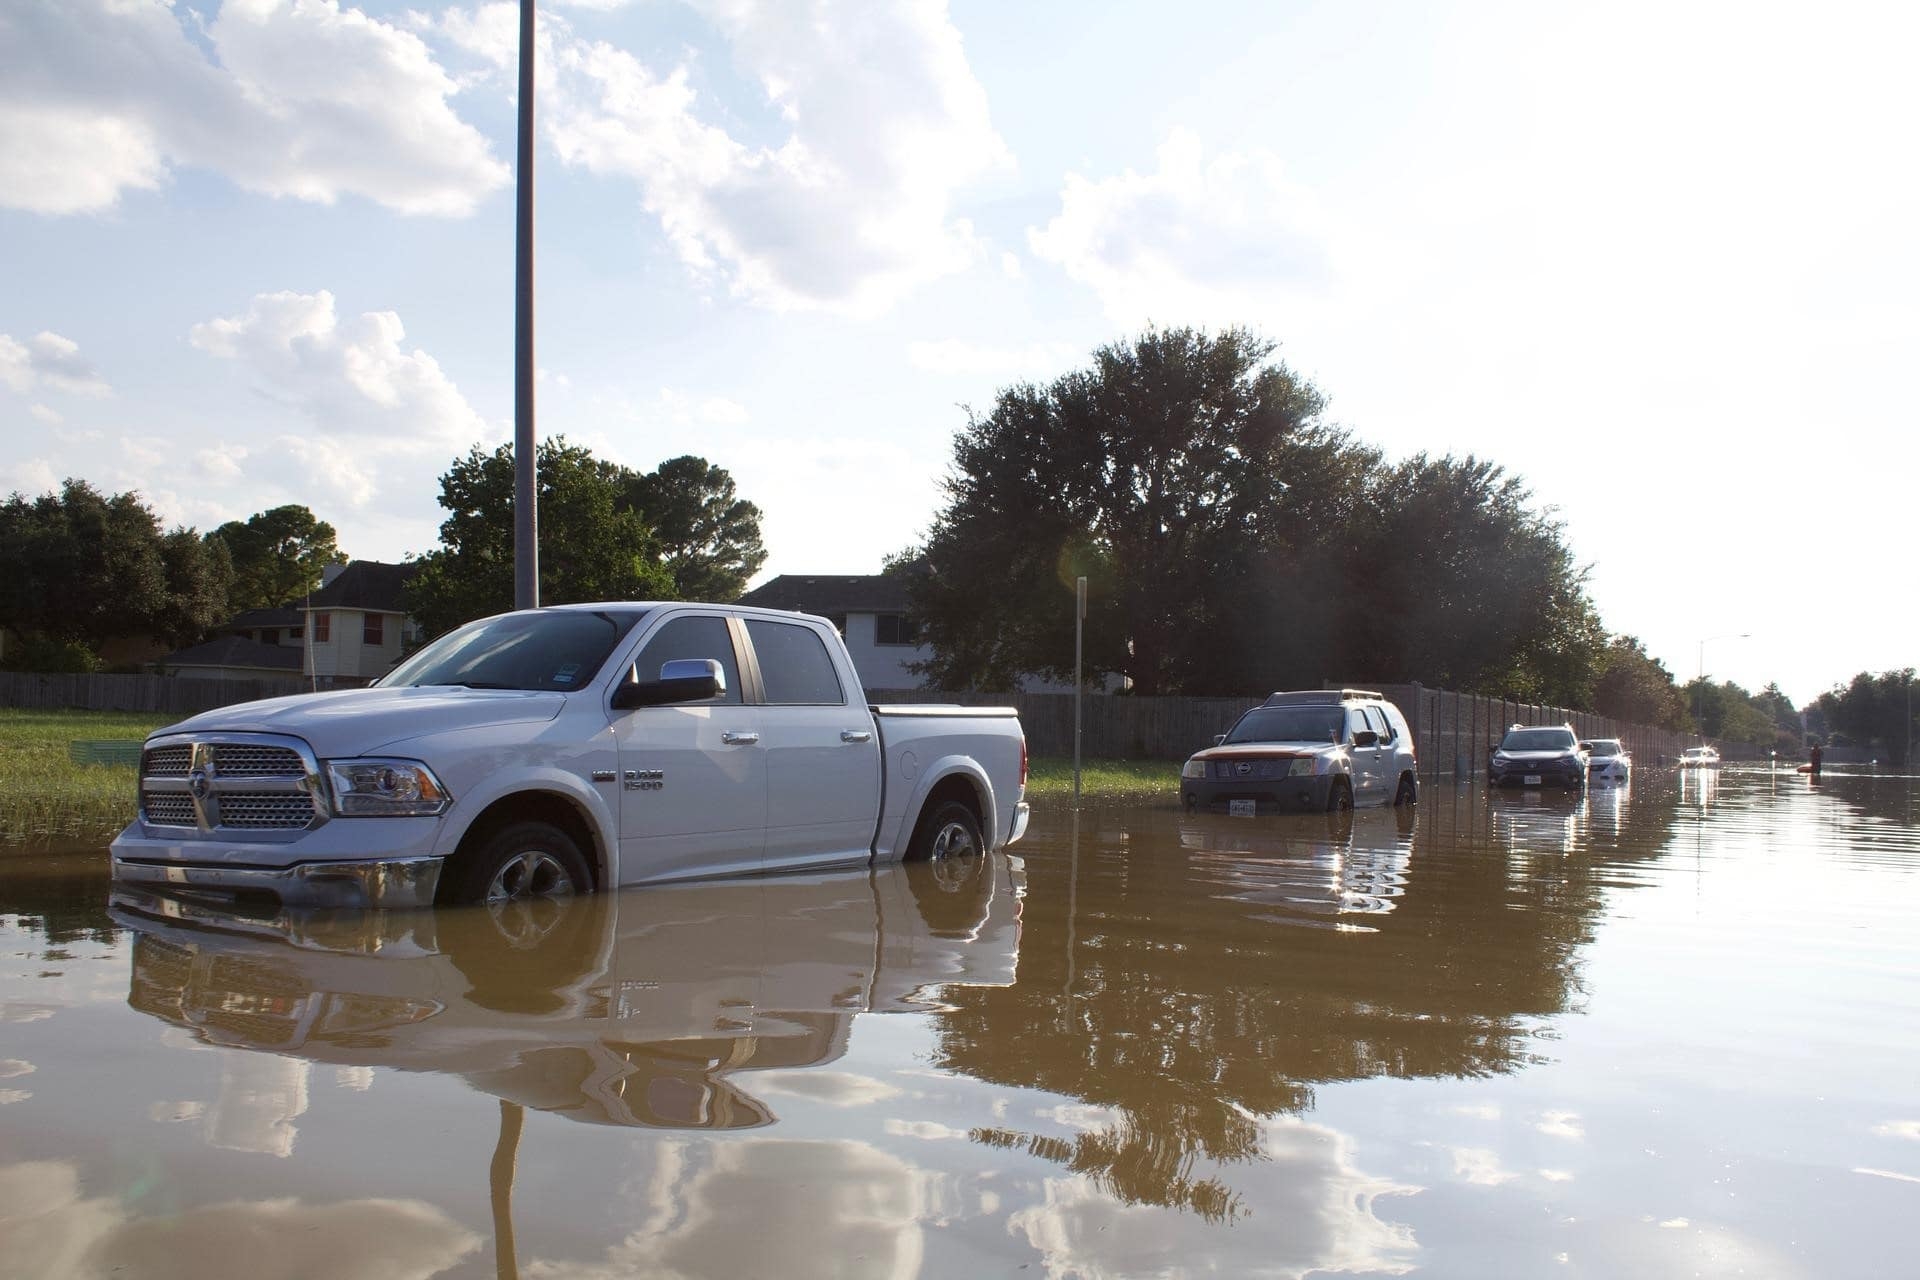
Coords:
pixel 1665 1030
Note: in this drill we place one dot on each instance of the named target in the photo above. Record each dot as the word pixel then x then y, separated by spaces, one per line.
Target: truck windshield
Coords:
pixel 554 650
pixel 1290 724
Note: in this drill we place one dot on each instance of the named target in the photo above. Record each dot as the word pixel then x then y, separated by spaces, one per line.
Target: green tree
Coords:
pixel 593 544
pixel 278 555
pixel 1875 712
pixel 709 538
pixel 1232 541
pixel 1150 473
pixel 1637 688
pixel 80 568
pixel 1459 581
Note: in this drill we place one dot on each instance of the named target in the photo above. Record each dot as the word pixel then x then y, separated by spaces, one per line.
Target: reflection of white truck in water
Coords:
pixel 637 1008
pixel 559 750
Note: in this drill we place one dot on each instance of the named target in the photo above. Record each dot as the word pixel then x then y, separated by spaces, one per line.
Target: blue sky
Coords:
pixel 1656 258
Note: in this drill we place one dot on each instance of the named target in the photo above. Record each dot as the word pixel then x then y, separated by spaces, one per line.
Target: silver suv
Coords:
pixel 1308 750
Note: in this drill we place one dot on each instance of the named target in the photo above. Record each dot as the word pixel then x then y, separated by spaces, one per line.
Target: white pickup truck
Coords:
pixel 563 750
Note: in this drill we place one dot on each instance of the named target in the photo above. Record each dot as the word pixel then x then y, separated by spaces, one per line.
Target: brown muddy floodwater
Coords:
pixel 1671 1030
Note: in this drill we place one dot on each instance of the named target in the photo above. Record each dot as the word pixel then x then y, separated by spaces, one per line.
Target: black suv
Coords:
pixel 1538 756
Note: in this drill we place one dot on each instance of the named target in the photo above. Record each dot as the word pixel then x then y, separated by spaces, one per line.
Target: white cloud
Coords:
pixel 380 419
pixel 300 98
pixel 880 121
pixel 48 360
pixel 35 475
pixel 41 413
pixel 1479 1166
pixel 1213 238
pixel 1035 360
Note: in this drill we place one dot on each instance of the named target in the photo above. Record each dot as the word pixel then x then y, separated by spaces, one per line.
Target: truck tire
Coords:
pixel 1408 793
pixel 947 830
pixel 521 860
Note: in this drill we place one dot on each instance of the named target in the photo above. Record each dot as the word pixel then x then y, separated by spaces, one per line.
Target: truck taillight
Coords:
pixel 1023 761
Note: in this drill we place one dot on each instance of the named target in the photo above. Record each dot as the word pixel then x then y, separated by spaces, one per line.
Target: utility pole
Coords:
pixel 526 524
pixel 1079 685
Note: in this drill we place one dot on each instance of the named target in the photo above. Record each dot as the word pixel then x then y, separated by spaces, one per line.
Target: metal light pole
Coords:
pixel 1079 685
pixel 526 539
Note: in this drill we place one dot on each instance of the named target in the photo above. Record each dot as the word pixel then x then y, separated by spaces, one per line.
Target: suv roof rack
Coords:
pixel 1317 697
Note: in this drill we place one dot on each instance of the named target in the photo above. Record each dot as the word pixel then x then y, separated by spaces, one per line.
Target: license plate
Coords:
pixel 1530 780
pixel 1241 808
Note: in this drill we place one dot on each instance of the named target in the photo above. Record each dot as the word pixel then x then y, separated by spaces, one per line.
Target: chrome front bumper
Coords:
pixel 402 882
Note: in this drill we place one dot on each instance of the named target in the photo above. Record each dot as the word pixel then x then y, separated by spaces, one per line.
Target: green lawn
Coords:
pixel 44 795
pixel 1131 781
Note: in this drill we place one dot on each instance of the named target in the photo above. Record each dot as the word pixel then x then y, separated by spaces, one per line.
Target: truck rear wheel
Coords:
pixel 947 830
pixel 519 861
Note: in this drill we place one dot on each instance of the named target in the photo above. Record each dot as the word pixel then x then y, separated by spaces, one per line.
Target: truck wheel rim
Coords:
pixel 953 841
pixel 532 874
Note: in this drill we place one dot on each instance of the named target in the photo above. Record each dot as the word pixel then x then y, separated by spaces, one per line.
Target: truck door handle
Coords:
pixel 855 735
pixel 733 739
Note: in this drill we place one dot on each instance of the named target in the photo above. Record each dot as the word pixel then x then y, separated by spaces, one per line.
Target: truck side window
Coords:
pixel 1378 721
pixel 693 637
pixel 794 666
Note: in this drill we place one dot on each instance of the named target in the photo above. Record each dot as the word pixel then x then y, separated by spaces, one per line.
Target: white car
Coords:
pixel 1700 758
pixel 1607 760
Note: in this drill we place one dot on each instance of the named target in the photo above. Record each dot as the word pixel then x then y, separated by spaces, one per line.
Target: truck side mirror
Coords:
pixel 682 680
pixel 1219 738
pixel 1366 738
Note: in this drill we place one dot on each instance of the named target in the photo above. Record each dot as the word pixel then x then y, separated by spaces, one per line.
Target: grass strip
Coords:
pixel 1131 781
pixel 44 795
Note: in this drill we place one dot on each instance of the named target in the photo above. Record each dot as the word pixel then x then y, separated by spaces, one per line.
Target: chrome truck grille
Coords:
pixel 251 782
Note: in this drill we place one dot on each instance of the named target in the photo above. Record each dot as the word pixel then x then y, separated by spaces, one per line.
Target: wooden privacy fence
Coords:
pixel 1451 730
pixel 156 695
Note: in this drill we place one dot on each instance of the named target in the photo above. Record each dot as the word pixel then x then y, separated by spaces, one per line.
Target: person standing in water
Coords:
pixel 1813 760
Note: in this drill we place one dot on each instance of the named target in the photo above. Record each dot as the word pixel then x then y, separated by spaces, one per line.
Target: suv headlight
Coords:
pixel 1302 767
pixel 1194 768
pixel 380 788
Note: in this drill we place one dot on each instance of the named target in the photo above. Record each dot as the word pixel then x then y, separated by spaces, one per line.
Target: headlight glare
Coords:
pixel 380 788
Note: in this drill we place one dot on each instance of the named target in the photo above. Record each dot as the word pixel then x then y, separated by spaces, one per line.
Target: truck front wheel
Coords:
pixel 519 861
pixel 948 830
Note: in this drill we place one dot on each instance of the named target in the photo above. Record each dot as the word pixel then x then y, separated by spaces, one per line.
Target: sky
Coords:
pixel 1658 259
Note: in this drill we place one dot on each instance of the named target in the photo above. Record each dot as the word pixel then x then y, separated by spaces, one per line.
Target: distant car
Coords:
pixel 1607 760
pixel 1538 756
pixel 1307 750
pixel 1699 758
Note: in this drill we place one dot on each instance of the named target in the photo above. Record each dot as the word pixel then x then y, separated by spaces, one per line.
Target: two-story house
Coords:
pixel 356 624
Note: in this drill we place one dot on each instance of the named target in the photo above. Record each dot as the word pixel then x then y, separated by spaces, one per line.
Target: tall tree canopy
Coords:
pixel 1233 541
pixel 1876 712
pixel 593 545
pixel 1637 688
pixel 278 555
pixel 709 539
pixel 79 568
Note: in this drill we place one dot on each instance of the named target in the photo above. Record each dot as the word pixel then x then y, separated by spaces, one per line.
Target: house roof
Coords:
pixel 237 651
pixel 253 619
pixel 830 594
pixel 368 585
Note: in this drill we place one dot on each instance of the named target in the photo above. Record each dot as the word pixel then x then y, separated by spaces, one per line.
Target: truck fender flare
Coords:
pixel 554 782
pixel 936 773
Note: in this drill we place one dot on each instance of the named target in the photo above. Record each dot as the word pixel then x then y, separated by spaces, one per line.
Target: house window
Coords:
pixel 373 630
pixel 322 627
pixel 895 628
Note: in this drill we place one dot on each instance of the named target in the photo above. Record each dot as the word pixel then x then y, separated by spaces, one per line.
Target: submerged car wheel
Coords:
pixel 1340 796
pixel 1408 792
pixel 521 861
pixel 948 830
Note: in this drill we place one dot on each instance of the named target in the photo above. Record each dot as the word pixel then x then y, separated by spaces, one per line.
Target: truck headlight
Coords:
pixel 377 788
pixel 1194 768
pixel 1302 767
